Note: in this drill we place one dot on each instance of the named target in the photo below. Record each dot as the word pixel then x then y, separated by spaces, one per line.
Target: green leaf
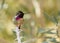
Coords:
pixel 50 33
pixel 54 19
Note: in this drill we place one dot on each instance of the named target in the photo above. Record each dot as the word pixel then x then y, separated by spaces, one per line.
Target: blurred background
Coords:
pixel 41 20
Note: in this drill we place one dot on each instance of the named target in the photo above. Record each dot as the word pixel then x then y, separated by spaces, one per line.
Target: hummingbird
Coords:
pixel 19 18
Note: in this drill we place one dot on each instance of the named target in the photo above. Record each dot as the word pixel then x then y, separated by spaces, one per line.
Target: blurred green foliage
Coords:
pixel 32 26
